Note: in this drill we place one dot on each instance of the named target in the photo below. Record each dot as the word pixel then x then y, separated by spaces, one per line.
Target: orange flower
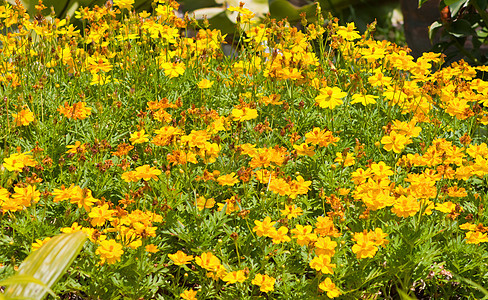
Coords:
pixel 23 117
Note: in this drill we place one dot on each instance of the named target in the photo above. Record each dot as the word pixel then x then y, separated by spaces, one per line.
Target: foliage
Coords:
pixel 44 267
pixel 311 164
pixel 463 29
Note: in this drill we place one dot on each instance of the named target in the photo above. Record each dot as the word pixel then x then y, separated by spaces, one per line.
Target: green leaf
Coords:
pixel 421 2
pixel 45 266
pixel 23 279
pixel 455 6
pixel 461 28
pixel 452 2
pixel 433 29
pixel 405 296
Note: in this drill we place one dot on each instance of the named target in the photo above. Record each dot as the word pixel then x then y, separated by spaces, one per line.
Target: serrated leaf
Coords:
pixel 46 265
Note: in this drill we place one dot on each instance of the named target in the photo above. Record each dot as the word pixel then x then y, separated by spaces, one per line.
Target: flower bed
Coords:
pixel 315 163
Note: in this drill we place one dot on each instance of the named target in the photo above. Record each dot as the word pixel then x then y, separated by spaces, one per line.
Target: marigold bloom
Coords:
pixel 304 149
pixel 363 99
pixel 330 97
pixel 364 246
pixel 17 161
pixel 123 3
pixel 347 161
pixel 476 237
pixel 25 196
pixel 244 114
pixel 173 70
pixel 291 211
pixel 230 205
pixel 139 137
pixel 235 276
pixel 180 258
pixel 78 147
pixel 395 142
pixel 303 234
pixel 23 117
pixel 151 248
pixel 38 244
pixel 205 84
pixel 101 214
pixel 78 111
pixel 322 263
pixel 82 197
pixel 208 261
pixel 446 207
pixel 74 228
pixel 263 228
pixel 325 227
pixel 266 283
pixel 330 288
pixel 110 251
pixel 189 295
pixel 325 246
pixel 349 32
pixel 228 179
pixel 406 206
pixel 146 173
pixel 280 235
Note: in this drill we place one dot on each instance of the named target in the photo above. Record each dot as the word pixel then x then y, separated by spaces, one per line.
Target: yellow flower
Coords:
pixel 476 237
pixel 325 246
pixel 264 228
pixel 101 214
pixel 304 149
pixel 364 246
pixel 406 206
pixel 17 161
pixel 24 197
pixel 151 248
pixel 348 33
pixel 139 137
pixel 180 258
pixel 208 261
pixel 38 244
pixel 23 117
pixel 146 172
pixel 124 3
pixel 228 179
pixel 303 234
pixel 189 295
pixel 280 235
pixel 205 83
pixel 330 97
pixel 363 99
pixel 446 207
pixel 235 276
pixel 322 263
pixel 266 283
pixel 291 211
pixel 328 286
pixel 110 251
pixel 244 114
pixel 78 147
pixel 173 70
pixel 395 142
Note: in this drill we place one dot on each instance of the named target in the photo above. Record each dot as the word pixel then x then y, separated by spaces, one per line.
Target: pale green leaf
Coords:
pixel 47 265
